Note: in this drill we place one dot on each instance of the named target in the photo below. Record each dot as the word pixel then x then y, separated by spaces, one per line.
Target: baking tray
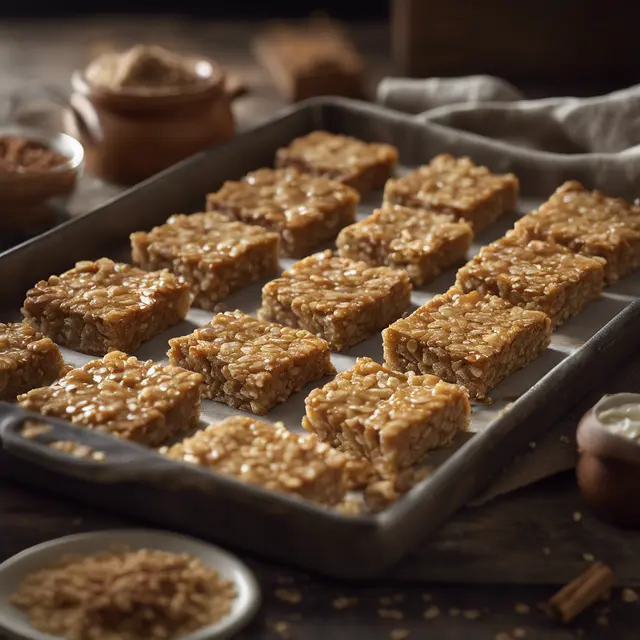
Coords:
pixel 138 482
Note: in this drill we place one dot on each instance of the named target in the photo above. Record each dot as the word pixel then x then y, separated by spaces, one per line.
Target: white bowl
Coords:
pixel 12 571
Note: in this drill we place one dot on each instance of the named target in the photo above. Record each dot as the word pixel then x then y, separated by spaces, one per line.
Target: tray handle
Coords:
pixel 116 460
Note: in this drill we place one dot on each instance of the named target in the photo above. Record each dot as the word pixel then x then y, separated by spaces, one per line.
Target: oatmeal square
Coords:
pixel 250 364
pixel 103 306
pixel 27 360
pixel 539 275
pixel 421 242
pixel 339 300
pixel 362 165
pixel 215 255
pixel 267 456
pixel 390 418
pixel 145 402
pixel 469 339
pixel 305 210
pixel 457 186
pixel 590 223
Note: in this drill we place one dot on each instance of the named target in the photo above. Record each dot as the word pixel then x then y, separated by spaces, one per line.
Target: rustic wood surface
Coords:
pixel 529 537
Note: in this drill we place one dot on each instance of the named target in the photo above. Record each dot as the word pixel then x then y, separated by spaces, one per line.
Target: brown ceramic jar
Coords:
pixel 129 135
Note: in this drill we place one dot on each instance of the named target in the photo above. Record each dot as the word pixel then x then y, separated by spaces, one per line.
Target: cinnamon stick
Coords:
pixel 582 592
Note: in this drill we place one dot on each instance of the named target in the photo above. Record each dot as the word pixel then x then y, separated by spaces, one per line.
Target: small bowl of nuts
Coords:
pixel 38 173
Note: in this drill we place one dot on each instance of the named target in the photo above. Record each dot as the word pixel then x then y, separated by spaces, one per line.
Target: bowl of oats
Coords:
pixel 126 584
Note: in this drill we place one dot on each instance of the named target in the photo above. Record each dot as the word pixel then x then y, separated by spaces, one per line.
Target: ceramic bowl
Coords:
pixel 14 623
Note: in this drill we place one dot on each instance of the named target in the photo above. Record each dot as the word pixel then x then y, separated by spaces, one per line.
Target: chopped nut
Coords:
pixel 629 596
pixel 431 613
pixel 291 596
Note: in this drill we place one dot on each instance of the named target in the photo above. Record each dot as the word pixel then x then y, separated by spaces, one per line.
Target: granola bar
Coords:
pixel 390 418
pixel 103 306
pixel 539 275
pixel 250 364
pixel 27 360
pixel 215 255
pixel 457 186
pixel 421 242
pixel 267 456
pixel 470 339
pixel 342 301
pixel 145 402
pixel 590 223
pixel 305 210
pixel 361 165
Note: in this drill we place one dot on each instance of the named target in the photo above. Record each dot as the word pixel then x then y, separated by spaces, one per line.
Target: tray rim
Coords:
pixel 408 506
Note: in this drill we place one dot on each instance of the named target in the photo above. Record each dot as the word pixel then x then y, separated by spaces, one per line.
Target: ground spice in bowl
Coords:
pixel 125 595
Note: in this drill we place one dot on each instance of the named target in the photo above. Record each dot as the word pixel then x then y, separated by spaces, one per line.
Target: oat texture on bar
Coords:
pixel 362 165
pixel 590 223
pixel 535 274
pixel 457 186
pixel 305 210
pixel 471 339
pixel 390 418
pixel 214 254
pixel 421 242
pixel 27 360
pixel 103 306
pixel 268 456
pixel 340 300
pixel 142 401
pixel 251 364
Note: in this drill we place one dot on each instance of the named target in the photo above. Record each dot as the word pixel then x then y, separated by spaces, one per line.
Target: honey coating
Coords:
pixel 141 401
pixel 268 456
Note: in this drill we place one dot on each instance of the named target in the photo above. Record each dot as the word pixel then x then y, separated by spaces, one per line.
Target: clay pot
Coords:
pixel 129 136
pixel 608 468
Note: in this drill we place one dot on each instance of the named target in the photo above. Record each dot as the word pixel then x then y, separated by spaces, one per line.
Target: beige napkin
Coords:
pixel 595 140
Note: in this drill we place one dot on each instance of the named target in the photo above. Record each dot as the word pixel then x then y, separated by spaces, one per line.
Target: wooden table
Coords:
pixel 483 567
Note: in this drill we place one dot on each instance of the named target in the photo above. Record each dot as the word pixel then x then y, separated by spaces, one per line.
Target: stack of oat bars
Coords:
pixel 371 425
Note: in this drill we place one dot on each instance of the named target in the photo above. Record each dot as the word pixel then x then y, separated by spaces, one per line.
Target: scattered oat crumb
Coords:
pixel 344 602
pixel 431 613
pixel 546 551
pixel 629 596
pixel 390 614
pixel 426 597
pixel 523 608
pixel 532 445
pixel 385 601
pixel 292 596
pixel 503 635
pixel 32 429
pixel 603 621
pixel 577 516
pixel 588 557
pixel 518 633
pixel 284 579
pixel 398 597
pixel 471 614
pixel 399 634
pixel 454 612
pixel 565 439
pixel 350 507
pixel 283 629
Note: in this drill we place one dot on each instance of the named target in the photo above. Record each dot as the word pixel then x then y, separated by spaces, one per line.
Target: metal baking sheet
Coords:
pixel 136 481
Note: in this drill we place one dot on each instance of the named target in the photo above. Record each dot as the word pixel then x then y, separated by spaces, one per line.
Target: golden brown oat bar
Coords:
pixel 145 402
pixel 590 223
pixel 305 210
pixel 388 417
pixel 250 364
pixel 267 456
pixel 421 242
pixel 457 186
pixel 215 255
pixel 361 165
pixel 103 306
pixel 340 300
pixel 27 360
pixel 539 275
pixel 471 339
